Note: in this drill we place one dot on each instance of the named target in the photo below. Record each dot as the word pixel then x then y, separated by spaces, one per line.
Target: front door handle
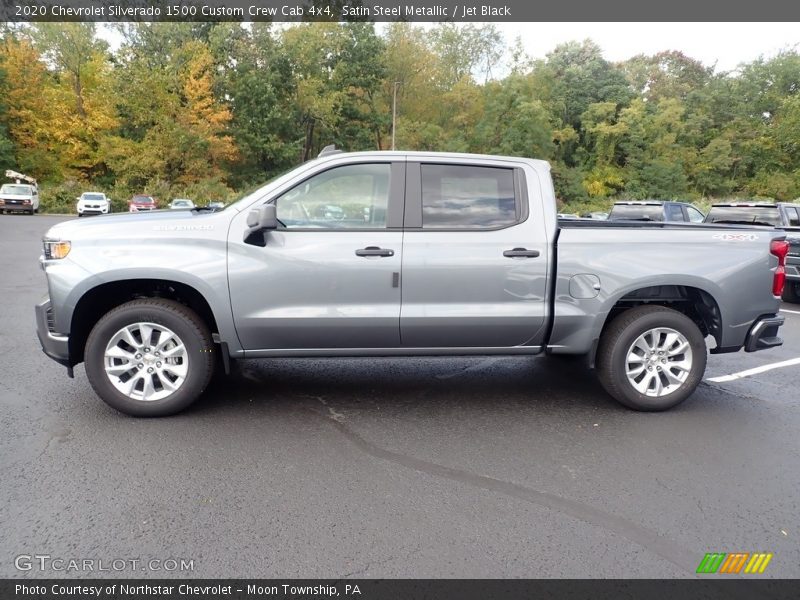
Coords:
pixel 521 253
pixel 374 251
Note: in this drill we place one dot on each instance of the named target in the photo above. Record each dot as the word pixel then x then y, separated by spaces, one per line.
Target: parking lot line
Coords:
pixel 755 371
pixel 794 312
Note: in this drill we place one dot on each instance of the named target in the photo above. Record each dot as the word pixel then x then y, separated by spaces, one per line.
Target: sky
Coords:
pixel 724 45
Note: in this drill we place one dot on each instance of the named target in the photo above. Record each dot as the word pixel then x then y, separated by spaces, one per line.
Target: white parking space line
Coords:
pixel 755 371
pixel 794 312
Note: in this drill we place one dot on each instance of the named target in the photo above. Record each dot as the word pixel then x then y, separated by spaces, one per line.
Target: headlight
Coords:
pixel 55 250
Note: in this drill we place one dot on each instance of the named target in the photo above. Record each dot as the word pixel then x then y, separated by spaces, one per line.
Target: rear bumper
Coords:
pixel 764 334
pixel 53 345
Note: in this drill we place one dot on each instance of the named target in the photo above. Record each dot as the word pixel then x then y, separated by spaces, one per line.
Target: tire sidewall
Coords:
pixel 197 351
pixel 618 360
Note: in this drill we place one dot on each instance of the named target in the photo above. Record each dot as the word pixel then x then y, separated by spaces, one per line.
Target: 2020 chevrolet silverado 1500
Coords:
pixel 397 254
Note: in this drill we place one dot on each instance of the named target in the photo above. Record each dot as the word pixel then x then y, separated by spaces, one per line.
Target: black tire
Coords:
pixel 619 336
pixel 184 322
pixel 791 292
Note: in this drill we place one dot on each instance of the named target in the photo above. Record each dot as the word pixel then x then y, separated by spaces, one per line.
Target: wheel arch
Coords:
pixel 697 303
pixel 100 299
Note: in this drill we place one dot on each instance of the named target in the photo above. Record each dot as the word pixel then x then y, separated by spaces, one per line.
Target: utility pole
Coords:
pixel 394 110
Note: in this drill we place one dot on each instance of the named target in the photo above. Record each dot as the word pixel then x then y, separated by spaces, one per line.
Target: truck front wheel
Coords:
pixel 149 358
pixel 651 358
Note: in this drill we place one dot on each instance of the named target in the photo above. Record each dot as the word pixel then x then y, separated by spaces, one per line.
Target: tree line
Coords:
pixel 207 110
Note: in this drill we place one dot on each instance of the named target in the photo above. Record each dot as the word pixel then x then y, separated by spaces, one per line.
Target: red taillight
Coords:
pixel 779 248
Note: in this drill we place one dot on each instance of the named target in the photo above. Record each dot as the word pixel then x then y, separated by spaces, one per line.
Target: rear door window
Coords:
pixel 467 197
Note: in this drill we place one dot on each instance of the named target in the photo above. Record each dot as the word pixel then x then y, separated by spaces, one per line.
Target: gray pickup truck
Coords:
pixel 396 254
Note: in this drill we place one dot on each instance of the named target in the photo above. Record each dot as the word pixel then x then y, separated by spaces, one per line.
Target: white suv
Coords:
pixel 93 203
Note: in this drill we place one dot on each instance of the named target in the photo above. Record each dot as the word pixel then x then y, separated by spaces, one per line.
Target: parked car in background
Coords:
pixel 93 203
pixel 656 210
pixel 181 203
pixel 216 205
pixel 141 202
pixel 784 215
pixel 775 214
pixel 19 197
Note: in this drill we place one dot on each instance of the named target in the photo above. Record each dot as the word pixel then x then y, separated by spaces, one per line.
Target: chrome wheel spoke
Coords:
pixel 658 361
pixel 118 352
pixel 146 361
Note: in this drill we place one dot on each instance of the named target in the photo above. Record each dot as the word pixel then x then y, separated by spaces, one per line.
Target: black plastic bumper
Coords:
pixel 53 345
pixel 764 334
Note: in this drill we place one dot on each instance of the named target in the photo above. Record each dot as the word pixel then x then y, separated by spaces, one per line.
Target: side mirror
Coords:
pixel 260 220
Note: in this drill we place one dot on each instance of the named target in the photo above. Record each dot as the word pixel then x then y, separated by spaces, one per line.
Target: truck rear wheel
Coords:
pixel 150 357
pixel 791 292
pixel 651 358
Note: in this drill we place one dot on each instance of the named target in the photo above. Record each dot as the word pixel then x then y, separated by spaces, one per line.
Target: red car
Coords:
pixel 141 202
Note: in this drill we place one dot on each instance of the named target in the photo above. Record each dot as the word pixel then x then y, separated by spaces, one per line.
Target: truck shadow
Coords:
pixel 544 384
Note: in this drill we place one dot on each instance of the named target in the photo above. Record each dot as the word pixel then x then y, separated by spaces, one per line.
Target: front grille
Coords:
pixel 51 319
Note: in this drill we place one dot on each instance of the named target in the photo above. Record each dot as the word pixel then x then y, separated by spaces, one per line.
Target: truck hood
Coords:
pixel 156 223
pixel 16 196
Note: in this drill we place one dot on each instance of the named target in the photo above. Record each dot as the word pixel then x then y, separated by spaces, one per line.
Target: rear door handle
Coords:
pixel 521 253
pixel 374 251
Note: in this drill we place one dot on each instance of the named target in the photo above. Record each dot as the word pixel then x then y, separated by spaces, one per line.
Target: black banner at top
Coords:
pixel 398 10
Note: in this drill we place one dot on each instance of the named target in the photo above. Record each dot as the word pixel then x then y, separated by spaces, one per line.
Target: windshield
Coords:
pixel 257 190
pixel 90 196
pixel 744 214
pixel 639 212
pixel 143 199
pixel 10 188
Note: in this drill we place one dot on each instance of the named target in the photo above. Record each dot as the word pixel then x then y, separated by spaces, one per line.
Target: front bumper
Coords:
pixel 53 345
pixel 92 211
pixel 764 334
pixel 16 207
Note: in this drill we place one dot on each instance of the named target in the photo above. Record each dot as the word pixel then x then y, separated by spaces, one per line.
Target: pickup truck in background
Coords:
pixel 655 210
pixel 784 215
pixel 426 254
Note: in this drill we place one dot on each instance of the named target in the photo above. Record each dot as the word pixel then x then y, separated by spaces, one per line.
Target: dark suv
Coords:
pixel 655 210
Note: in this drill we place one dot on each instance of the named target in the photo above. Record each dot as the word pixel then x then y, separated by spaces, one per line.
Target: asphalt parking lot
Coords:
pixel 473 467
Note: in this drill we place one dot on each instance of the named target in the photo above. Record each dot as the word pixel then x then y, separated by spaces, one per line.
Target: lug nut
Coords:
pixel 158 364
pixel 158 353
pixel 147 349
pixel 138 356
pixel 140 365
pixel 150 369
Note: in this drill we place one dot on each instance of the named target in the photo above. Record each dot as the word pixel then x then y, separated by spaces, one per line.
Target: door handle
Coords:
pixel 521 253
pixel 374 251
